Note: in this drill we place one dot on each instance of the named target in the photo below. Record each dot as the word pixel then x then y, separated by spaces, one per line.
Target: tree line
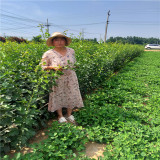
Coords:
pixel 123 40
pixel 134 40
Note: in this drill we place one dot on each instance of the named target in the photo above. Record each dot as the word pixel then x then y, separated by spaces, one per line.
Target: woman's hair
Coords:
pixel 62 38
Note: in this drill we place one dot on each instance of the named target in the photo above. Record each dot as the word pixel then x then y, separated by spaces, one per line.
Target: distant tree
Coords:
pixel 134 40
pixel 2 39
pixel 16 39
pixel 93 40
pixel 75 39
pixel 37 38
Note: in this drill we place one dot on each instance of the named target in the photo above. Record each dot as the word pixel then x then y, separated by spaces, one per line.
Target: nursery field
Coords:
pixel 123 107
pixel 124 114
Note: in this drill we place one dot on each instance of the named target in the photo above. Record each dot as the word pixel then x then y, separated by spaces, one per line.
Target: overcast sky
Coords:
pixel 127 18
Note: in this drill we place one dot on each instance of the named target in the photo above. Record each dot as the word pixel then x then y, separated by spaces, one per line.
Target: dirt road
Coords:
pixel 153 50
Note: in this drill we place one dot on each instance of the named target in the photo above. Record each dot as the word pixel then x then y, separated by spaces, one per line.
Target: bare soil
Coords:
pixel 40 135
pixel 152 50
pixel 93 150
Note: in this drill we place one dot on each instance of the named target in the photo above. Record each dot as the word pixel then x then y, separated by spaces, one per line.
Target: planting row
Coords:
pixel 125 114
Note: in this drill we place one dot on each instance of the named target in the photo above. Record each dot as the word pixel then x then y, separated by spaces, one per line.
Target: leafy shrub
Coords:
pixel 16 39
pixel 24 90
pixel 62 142
pixel 2 39
pixel 37 39
pixel 97 62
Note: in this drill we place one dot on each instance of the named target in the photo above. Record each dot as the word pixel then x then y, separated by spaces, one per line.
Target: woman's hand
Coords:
pixel 54 68
pixel 59 69
pixel 50 68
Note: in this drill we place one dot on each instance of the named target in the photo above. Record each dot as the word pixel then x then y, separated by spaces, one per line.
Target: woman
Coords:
pixel 66 93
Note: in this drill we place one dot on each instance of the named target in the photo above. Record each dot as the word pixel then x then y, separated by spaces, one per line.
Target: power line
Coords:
pixel 85 24
pixel 24 23
pixel 5 23
pixel 133 23
pixel 31 20
pixel 137 22
pixel 72 29
pixel 20 28
pixel 20 17
pixel 51 24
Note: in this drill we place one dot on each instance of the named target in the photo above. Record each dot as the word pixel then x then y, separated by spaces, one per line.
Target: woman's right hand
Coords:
pixel 50 68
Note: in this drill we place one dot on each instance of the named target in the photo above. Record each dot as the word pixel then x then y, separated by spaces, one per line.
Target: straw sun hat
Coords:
pixel 57 34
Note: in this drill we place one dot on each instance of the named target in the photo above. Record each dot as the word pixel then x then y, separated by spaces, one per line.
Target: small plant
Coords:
pixel 63 140
pixel 45 34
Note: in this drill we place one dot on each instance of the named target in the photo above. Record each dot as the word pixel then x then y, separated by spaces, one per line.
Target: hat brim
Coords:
pixel 49 41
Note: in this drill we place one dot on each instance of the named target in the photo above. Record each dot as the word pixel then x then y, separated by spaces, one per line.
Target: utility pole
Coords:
pixel 106 26
pixel 47 25
pixel 82 33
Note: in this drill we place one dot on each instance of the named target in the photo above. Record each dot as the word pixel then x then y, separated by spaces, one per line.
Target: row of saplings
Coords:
pixel 12 39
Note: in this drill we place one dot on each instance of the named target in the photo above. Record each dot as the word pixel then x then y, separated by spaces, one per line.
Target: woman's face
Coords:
pixel 59 42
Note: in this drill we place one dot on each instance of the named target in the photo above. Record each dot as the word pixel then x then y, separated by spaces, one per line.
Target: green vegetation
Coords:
pixel 134 40
pixel 25 86
pixel 124 114
pixel 63 140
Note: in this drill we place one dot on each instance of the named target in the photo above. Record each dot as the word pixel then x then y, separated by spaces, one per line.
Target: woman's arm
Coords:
pixel 47 64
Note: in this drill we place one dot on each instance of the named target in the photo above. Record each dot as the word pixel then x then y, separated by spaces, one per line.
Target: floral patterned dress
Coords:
pixel 66 94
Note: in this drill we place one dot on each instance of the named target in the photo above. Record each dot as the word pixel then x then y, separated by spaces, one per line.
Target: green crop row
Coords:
pixel 125 114
pixel 25 86
pixel 96 62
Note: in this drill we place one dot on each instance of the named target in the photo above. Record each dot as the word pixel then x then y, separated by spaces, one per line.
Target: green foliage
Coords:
pixel 45 33
pixel 62 142
pixel 134 40
pixel 25 86
pixel 97 62
pixel 37 39
pixel 24 89
pixel 125 113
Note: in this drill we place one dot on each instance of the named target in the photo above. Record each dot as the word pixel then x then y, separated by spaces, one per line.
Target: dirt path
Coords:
pixel 93 150
pixel 152 50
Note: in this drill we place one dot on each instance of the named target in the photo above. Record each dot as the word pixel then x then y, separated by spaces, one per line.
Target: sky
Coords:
pixel 139 18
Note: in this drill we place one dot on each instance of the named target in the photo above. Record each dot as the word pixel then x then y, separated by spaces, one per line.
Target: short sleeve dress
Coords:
pixel 66 93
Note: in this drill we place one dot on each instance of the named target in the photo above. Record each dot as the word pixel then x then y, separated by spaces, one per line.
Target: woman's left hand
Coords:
pixel 59 68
